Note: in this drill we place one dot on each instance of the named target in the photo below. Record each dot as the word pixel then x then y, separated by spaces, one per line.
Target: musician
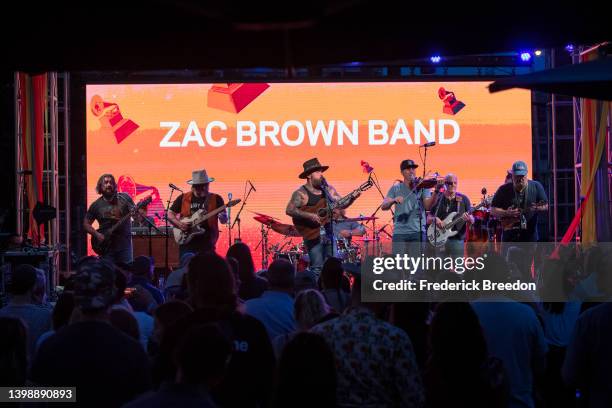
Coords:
pixel 346 229
pixel 188 203
pixel 410 205
pixel 308 195
pixel 516 198
pixel 452 201
pixel 107 210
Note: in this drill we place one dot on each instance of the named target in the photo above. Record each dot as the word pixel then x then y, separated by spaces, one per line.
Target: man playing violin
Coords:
pixel 411 202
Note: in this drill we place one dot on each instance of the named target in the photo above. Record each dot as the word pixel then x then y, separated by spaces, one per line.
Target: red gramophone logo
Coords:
pixel 111 118
pixel 234 97
pixel 451 104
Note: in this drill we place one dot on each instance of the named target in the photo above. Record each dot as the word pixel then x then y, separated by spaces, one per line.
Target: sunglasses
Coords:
pixel 450 183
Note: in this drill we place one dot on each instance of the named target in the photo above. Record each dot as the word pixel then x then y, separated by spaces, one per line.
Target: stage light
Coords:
pixel 525 56
pixel 435 59
pixel 569 48
pixel 537 53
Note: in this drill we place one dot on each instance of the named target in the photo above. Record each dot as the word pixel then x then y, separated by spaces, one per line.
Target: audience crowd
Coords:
pixel 221 334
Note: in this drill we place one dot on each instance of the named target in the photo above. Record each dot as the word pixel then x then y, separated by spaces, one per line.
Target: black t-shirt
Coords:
pixel 107 367
pixel 506 196
pixel 209 238
pixel 108 213
pixel 448 206
pixel 248 380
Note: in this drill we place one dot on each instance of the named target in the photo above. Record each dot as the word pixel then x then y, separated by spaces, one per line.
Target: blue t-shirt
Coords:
pixel 406 220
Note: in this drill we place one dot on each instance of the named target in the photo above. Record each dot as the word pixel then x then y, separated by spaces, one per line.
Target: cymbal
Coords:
pixel 264 219
pixel 284 229
pixel 360 218
pixel 264 215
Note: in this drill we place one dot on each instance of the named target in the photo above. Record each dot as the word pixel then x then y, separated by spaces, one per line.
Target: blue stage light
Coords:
pixel 435 59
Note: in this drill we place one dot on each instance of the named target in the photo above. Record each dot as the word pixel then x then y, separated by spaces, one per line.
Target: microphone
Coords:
pixel 172 186
pixel 483 191
pixel 429 144
pixel 252 186
pixel 323 182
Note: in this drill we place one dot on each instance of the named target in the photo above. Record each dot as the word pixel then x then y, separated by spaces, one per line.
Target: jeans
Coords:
pixel 318 252
pixel 124 255
pixel 454 248
pixel 406 243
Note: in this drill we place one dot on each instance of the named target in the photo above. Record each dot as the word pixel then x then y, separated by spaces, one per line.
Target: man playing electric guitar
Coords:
pixel 188 203
pixel 452 201
pixel 108 210
pixel 310 195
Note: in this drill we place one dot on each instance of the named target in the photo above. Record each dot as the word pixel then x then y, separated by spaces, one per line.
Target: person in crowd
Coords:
pixel 459 371
pixel 23 305
pixel 60 316
pixel 310 308
pixel 13 352
pixel 235 268
pixel 165 316
pixel 275 306
pixel 331 285
pixel 175 286
pixel 142 275
pixel 202 356
pixel 251 286
pixel 124 321
pixel 413 318
pixel 91 353
pixel 143 304
pixel 306 375
pixel 513 334
pixel 589 357
pixel 249 378
pixel 375 362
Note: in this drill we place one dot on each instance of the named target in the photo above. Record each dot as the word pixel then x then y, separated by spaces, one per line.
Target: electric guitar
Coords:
pixel 438 236
pixel 101 247
pixel 195 223
pixel 311 230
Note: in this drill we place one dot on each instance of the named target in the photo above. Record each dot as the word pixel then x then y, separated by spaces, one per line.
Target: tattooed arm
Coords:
pixel 298 199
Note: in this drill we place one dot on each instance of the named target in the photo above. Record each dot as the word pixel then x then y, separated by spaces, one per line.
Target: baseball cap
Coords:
pixel 519 168
pixel 406 164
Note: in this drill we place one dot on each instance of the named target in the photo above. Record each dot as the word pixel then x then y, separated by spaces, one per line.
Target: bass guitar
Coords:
pixel 438 236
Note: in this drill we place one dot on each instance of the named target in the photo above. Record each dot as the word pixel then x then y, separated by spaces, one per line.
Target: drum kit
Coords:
pixel 297 254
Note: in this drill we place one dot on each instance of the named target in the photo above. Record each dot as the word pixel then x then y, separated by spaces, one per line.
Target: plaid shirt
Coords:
pixel 375 362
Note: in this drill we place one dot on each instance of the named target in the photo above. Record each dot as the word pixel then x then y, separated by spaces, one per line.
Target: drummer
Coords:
pixel 344 228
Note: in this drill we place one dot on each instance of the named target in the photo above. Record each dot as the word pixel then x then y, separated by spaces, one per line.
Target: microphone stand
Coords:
pixel 237 220
pixel 330 230
pixel 167 232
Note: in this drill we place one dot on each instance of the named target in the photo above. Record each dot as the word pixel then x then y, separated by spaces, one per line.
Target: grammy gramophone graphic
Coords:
pixel 111 118
pixel 234 97
pixel 451 104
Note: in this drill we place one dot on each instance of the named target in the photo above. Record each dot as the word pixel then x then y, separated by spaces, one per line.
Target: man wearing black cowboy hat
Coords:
pixel 409 222
pixel 309 195
pixel 188 203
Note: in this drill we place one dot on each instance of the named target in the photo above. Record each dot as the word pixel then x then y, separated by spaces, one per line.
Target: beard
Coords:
pixel 109 193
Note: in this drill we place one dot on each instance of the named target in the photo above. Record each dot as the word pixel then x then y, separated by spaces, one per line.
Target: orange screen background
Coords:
pixel 495 131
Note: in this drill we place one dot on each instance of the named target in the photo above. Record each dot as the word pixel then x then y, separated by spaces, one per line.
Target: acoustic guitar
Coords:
pixel 311 230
